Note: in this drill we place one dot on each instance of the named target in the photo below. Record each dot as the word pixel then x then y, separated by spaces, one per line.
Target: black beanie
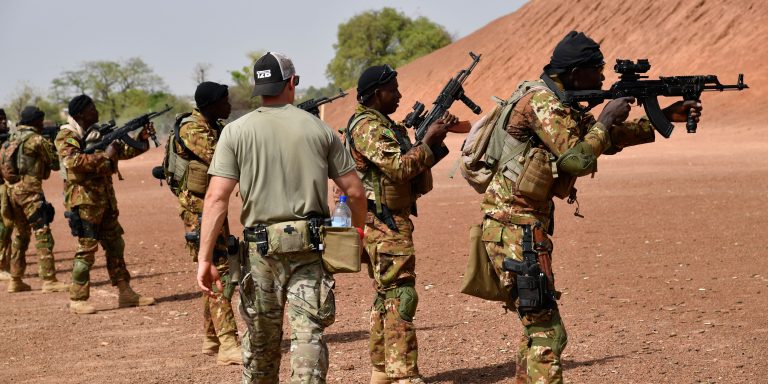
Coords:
pixel 2 112
pixel 575 50
pixel 372 77
pixel 78 104
pixel 30 114
pixel 209 92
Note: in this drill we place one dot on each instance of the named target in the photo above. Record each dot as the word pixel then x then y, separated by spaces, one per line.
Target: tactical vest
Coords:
pixel 185 172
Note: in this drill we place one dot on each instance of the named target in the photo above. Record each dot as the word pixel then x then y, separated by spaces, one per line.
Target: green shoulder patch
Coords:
pixel 73 142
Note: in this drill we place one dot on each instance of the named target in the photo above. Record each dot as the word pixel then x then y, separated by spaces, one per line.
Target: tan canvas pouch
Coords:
pixel 289 237
pixel 480 278
pixel 422 184
pixel 197 177
pixel 536 178
pixel 341 250
pixel 397 196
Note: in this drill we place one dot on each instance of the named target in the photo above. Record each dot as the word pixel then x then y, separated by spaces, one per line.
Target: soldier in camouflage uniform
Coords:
pixel 394 172
pixel 6 226
pixel 90 199
pixel 198 134
pixel 570 139
pixel 282 157
pixel 34 160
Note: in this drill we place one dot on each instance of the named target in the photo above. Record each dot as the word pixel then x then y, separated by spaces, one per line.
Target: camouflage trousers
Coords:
pixel 24 206
pixel 393 347
pixel 298 280
pixel 544 336
pixel 6 230
pixel 218 317
pixel 106 230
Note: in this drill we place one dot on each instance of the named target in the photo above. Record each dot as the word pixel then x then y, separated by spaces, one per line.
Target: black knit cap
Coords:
pixel 2 112
pixel 209 92
pixel 31 114
pixel 78 104
pixel 373 77
pixel 575 50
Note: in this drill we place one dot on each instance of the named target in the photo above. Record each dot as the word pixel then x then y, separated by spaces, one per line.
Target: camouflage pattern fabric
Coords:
pixel 24 205
pixel 88 186
pixel 544 336
pixel 109 233
pixel 298 281
pixel 26 197
pixel 378 156
pixel 200 138
pixel 6 229
pixel 557 128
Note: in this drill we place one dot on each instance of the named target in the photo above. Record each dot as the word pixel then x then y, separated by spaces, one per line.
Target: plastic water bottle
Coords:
pixel 342 215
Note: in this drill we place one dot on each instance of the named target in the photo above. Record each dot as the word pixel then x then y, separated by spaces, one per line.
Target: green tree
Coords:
pixel 109 83
pixel 26 95
pixel 381 37
pixel 240 92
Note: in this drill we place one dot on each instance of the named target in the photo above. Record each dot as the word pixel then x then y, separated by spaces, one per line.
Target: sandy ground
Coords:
pixel 664 280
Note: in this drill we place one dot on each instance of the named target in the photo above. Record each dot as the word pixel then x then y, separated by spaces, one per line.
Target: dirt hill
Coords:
pixel 685 37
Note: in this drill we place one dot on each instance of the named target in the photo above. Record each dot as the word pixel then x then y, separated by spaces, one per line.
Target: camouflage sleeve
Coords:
pixel 74 160
pixel 127 152
pixel 379 145
pixel 199 139
pixel 48 154
pixel 559 129
pixel 635 132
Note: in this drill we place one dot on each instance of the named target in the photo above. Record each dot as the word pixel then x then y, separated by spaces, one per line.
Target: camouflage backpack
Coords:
pixel 9 157
pixel 174 166
pixel 488 148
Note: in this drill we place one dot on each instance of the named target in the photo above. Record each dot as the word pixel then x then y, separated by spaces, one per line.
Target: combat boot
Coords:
pixel 5 276
pixel 379 377
pixel 230 352
pixel 16 285
pixel 210 345
pixel 54 285
pixel 81 307
pixel 129 298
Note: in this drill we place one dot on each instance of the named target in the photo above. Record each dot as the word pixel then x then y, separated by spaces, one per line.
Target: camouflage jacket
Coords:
pixel 200 138
pixel 556 128
pixel 38 159
pixel 382 150
pixel 87 177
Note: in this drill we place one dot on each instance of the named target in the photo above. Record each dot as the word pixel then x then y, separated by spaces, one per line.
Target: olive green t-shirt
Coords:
pixel 283 157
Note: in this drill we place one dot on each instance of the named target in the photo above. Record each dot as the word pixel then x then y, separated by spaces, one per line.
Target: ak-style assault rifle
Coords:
pixel 451 92
pixel 121 133
pixel 313 105
pixel 647 91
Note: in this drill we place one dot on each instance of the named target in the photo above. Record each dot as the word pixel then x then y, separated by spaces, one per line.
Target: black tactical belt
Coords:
pixel 258 236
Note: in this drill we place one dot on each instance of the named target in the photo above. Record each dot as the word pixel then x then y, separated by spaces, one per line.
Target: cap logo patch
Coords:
pixel 264 74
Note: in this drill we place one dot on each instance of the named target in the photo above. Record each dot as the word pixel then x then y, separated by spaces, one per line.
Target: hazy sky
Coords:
pixel 40 39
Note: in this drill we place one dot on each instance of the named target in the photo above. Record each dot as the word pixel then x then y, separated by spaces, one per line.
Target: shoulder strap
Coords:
pixel 184 118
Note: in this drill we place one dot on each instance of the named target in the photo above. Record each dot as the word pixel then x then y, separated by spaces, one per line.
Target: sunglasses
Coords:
pixel 295 80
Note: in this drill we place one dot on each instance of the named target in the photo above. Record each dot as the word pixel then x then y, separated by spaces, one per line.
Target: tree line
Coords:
pixel 124 89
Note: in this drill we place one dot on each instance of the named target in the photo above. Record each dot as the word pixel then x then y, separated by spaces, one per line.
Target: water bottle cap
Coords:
pixel 342 199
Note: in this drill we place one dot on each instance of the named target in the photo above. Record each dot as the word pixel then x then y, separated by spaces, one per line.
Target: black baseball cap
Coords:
pixel 270 73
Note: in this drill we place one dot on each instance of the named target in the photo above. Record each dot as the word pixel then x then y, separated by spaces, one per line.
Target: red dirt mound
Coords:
pixel 683 37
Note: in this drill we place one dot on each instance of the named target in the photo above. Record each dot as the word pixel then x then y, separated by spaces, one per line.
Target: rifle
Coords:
pixel 313 105
pixel 647 91
pixel 451 92
pixel 122 132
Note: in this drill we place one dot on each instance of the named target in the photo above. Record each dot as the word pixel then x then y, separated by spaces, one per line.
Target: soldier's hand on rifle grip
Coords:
pixel 439 129
pixel 679 111
pixel 147 131
pixel 616 111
